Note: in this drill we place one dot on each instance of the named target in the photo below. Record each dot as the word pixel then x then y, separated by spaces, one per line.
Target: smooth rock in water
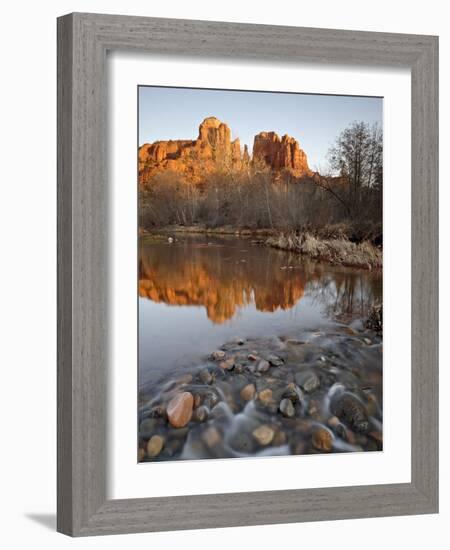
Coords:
pixel 279 439
pixel 211 399
pixel 252 357
pixel 350 410
pixel 333 421
pixel 275 361
pixel 265 396
pixel 155 445
pixel 205 376
pixel 201 413
pixel 218 355
pixel 227 365
pixel 308 381
pixel 238 368
pixel 322 440
pixel 263 435
pixel 287 408
pixel 211 437
pixel 197 400
pixel 179 409
pixel 293 392
pixel 367 341
pixel 263 366
pixel 248 392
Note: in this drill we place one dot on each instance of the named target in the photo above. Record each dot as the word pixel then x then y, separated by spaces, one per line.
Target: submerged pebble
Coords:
pixel 263 435
pixel 179 409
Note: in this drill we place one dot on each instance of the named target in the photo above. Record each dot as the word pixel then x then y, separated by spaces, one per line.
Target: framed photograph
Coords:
pixel 247 274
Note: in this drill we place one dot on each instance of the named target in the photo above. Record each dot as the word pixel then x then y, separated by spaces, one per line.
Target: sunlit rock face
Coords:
pixel 196 276
pixel 280 154
pixel 215 151
pixel 193 159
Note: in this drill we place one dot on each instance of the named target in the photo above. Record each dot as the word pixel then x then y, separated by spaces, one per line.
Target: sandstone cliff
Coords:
pixel 193 159
pixel 280 153
pixel 214 150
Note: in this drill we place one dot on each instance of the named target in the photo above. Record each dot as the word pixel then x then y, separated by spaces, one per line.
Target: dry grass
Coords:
pixel 336 251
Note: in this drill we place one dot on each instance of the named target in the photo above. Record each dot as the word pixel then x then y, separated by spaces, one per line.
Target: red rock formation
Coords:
pixel 280 153
pixel 192 159
pixel 213 150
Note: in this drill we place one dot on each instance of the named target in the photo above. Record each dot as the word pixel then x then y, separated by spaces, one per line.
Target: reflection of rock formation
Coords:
pixel 221 279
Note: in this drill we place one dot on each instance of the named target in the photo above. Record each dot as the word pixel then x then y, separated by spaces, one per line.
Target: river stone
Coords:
pixel 308 381
pixel 205 376
pixel 211 399
pixel 348 408
pixel 252 357
pixel 211 436
pixel 248 392
pixel 322 440
pixel 287 408
pixel 279 439
pixel 179 409
pixel 292 392
pixel 218 355
pixel 265 396
pixel 228 364
pixel 263 435
pixel 275 361
pixel 154 446
pixel 201 413
pixel 263 366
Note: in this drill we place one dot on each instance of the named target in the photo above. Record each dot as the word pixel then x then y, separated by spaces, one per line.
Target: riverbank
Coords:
pixel 341 251
pixel 320 392
pixel 337 250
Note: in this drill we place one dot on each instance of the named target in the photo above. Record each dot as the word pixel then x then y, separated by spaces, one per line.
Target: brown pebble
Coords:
pixel 154 446
pixel 322 440
pixel 179 409
pixel 279 439
pixel 377 435
pixel 333 421
pixel 248 392
pixel 263 435
pixel 252 357
pixel 218 355
pixel 265 396
pixel 228 364
pixel 211 437
pixel 197 400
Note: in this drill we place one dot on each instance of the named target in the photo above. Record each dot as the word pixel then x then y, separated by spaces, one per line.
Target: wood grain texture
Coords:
pixel 83 206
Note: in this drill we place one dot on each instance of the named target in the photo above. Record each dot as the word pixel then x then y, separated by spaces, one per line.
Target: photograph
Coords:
pixel 260 273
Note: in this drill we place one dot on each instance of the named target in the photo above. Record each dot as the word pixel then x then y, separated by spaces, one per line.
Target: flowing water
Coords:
pixel 202 293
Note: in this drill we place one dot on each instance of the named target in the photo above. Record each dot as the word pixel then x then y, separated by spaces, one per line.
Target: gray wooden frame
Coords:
pixel 83 40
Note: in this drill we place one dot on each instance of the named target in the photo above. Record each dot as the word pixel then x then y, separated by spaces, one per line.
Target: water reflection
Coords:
pixel 217 288
pixel 225 275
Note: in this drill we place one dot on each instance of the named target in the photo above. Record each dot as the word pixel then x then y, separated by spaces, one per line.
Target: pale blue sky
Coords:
pixel 314 120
